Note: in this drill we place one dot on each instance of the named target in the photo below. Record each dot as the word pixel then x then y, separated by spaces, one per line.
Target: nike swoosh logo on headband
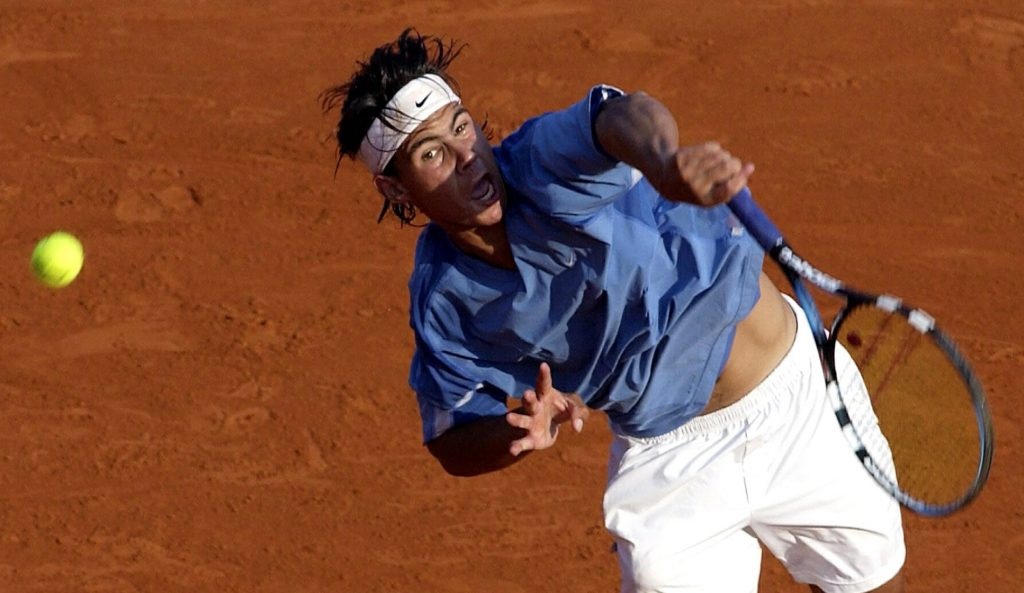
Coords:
pixel 424 100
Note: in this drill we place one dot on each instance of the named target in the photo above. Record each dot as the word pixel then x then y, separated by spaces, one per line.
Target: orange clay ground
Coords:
pixel 219 402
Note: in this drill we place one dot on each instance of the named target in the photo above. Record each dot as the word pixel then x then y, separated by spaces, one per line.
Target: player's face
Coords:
pixel 449 173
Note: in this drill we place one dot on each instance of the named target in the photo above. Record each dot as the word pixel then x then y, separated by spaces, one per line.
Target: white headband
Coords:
pixel 412 105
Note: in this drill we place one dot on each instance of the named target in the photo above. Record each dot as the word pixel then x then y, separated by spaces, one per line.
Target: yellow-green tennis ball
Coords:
pixel 57 259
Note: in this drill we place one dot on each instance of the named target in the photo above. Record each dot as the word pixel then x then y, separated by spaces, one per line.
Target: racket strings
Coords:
pixel 919 407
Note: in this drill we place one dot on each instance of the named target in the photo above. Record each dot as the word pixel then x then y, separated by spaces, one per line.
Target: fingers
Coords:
pixel 723 192
pixel 535 399
pixel 693 161
pixel 531 402
pixel 538 436
pixel 580 411
pixel 522 421
pixel 712 174
pixel 543 383
pixel 520 446
pixel 529 443
pixel 543 410
pixel 576 413
pixel 525 423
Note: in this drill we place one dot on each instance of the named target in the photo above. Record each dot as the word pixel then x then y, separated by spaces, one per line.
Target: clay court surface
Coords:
pixel 219 402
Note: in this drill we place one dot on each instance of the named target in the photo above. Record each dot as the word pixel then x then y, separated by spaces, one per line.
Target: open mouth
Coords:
pixel 483 190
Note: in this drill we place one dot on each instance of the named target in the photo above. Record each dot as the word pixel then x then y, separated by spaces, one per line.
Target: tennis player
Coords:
pixel 590 251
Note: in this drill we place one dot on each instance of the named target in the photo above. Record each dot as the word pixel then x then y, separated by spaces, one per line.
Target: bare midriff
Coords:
pixel 761 342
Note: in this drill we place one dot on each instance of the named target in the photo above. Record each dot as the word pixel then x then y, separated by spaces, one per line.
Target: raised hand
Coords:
pixel 705 174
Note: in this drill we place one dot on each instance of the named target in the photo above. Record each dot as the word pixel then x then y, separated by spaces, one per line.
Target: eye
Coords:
pixel 462 128
pixel 429 154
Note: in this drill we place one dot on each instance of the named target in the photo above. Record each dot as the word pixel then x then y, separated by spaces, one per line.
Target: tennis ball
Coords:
pixel 57 259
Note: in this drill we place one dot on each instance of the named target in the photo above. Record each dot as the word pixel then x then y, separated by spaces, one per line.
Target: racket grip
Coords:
pixel 755 220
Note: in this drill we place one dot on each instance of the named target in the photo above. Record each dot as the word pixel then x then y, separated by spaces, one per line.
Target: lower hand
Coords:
pixel 543 410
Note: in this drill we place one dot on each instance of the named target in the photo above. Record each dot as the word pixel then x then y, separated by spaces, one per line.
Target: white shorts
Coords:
pixel 688 508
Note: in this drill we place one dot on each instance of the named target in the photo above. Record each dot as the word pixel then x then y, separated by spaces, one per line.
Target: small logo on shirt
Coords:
pixel 424 100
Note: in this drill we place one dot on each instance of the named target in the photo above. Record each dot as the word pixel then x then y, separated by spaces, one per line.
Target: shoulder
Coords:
pixel 433 261
pixel 431 258
pixel 554 161
pixel 564 126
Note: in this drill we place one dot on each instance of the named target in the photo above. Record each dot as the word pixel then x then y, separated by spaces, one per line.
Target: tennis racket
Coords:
pixel 924 431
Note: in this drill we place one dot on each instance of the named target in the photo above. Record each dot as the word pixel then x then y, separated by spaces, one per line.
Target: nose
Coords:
pixel 464 153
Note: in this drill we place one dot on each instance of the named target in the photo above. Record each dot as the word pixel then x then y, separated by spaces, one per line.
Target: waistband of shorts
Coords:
pixel 777 384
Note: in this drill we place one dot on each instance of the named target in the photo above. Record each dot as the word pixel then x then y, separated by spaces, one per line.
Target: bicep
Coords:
pixel 639 130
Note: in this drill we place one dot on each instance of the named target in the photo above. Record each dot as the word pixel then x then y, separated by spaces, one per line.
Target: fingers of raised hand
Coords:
pixel 721 167
pixel 712 173
pixel 725 190
pixel 692 161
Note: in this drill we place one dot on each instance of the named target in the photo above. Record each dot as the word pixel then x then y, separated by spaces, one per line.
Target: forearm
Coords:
pixel 640 131
pixel 477 447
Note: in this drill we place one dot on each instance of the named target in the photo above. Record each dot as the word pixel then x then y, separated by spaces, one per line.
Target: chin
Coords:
pixel 495 212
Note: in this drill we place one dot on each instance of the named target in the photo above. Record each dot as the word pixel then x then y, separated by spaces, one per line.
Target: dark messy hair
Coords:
pixel 363 98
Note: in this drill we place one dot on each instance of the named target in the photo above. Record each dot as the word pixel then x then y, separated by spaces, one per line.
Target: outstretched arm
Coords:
pixel 639 130
pixel 495 443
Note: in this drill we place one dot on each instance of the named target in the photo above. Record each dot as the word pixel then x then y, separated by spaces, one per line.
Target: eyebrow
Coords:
pixel 416 144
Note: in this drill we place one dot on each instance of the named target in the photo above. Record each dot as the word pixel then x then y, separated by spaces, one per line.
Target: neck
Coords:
pixel 489 244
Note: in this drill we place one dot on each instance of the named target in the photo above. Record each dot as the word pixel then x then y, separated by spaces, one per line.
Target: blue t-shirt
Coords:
pixel 633 300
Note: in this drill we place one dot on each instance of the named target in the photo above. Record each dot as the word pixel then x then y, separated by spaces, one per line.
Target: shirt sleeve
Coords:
pixel 555 162
pixel 448 396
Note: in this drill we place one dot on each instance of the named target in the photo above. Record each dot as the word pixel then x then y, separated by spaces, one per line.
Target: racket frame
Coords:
pixel 797 270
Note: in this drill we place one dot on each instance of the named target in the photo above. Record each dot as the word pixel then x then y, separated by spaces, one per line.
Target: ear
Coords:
pixel 391 188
